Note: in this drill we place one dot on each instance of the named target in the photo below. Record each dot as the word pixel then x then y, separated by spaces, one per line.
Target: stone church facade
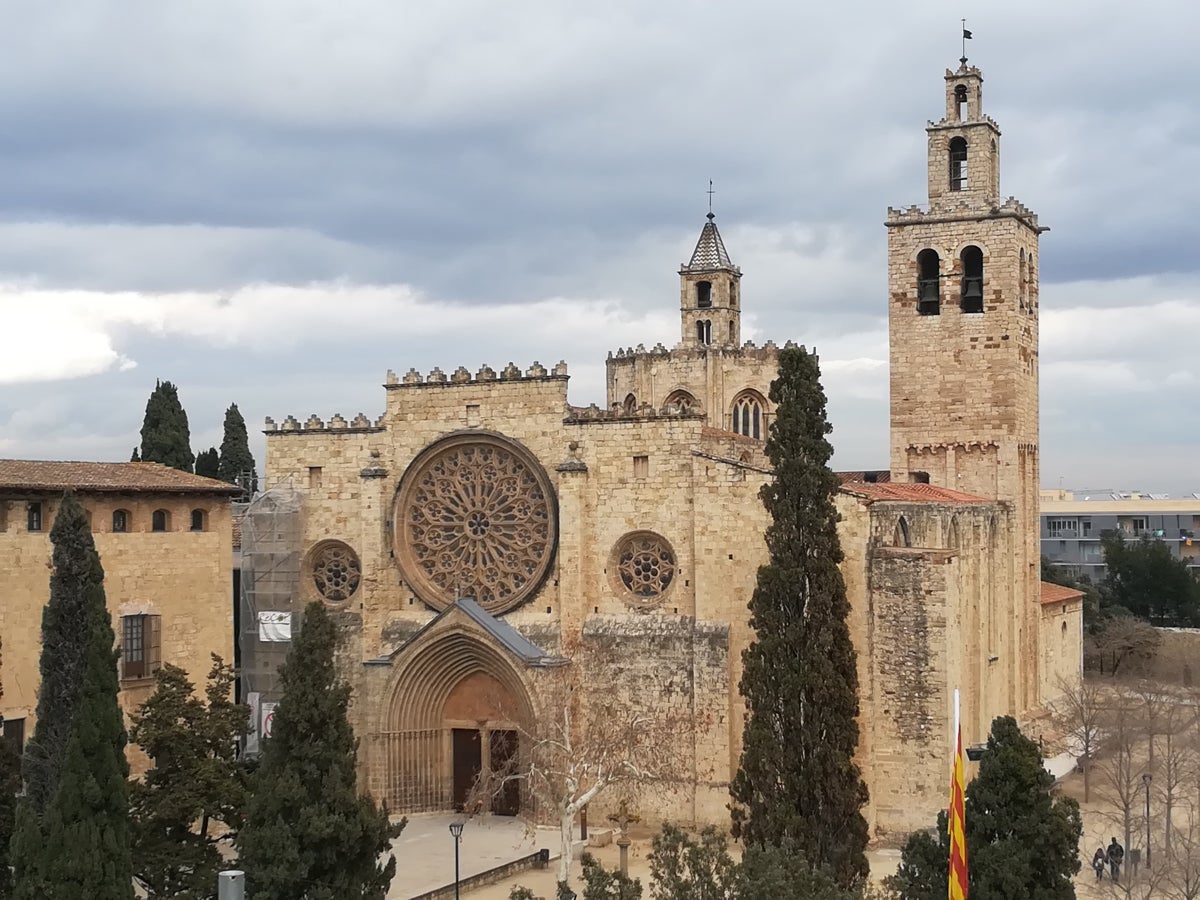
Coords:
pixel 638 526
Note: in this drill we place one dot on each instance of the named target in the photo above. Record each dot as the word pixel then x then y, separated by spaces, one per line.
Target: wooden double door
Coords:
pixel 467 748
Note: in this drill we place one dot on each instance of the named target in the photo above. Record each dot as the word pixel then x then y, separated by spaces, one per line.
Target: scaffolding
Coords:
pixel 272 531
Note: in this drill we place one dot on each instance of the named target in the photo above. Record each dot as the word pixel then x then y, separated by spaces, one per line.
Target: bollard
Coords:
pixel 231 885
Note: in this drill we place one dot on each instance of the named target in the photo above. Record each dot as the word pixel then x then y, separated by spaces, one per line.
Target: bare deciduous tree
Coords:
pixel 590 737
pixel 1080 711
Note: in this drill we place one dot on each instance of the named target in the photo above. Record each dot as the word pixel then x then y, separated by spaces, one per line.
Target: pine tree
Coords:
pixel 797 784
pixel 165 435
pixel 76 769
pixel 236 459
pixel 1022 842
pixel 196 782
pixel 208 463
pixel 308 832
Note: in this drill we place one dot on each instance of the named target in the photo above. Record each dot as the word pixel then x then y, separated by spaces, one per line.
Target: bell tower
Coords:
pixel 709 292
pixel 963 341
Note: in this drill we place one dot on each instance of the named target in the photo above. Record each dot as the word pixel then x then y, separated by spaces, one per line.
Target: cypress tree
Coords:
pixel 10 786
pixel 797 784
pixel 208 463
pixel 72 830
pixel 308 832
pixel 236 458
pixel 136 456
pixel 165 435
pixel 1022 842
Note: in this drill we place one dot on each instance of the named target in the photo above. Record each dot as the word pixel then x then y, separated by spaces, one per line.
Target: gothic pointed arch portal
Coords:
pixel 456 710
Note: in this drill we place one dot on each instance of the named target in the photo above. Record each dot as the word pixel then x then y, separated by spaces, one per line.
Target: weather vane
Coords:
pixel 710 193
pixel 966 37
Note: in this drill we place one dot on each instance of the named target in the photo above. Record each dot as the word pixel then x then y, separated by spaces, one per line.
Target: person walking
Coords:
pixel 1116 856
pixel 1099 863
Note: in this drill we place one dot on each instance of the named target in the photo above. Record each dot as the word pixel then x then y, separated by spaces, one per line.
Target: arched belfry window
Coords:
pixel 929 284
pixel 748 418
pixel 704 331
pixel 629 407
pixel 972 281
pixel 704 294
pixel 960 102
pixel 958 164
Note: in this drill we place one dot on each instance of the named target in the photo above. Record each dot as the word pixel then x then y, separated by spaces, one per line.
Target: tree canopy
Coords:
pixel 237 463
pixel 1146 579
pixel 72 832
pixel 797 784
pixel 1022 842
pixel 308 832
pixel 165 435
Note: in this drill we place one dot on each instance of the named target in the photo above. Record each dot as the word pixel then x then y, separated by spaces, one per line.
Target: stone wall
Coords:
pixel 183 576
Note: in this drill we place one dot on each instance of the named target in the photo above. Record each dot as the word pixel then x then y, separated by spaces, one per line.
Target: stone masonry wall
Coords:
pixel 183 576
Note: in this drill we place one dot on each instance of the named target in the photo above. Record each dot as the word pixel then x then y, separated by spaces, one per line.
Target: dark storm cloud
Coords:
pixel 484 163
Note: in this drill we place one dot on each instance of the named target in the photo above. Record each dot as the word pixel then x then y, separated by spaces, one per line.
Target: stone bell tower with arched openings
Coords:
pixel 708 293
pixel 963 340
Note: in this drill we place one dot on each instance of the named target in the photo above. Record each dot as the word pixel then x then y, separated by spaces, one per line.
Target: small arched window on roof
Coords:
pixel 680 402
pixel 972 281
pixel 960 102
pixel 748 415
pixel 160 520
pixel 703 294
pixel 958 164
pixel 929 283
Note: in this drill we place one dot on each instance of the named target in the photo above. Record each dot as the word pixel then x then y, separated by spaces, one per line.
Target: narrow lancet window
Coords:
pixel 704 331
pixel 960 103
pixel 958 164
pixel 929 284
pixel 703 294
pixel 972 282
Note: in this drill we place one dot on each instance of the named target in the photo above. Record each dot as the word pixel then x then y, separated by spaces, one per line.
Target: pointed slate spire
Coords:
pixel 710 252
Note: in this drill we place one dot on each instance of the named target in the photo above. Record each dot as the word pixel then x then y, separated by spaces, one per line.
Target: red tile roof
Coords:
pixel 1056 593
pixel 139 477
pixel 878 475
pixel 908 493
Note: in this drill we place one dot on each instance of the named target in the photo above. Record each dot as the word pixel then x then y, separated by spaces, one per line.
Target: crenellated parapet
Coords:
pixel 578 415
pixel 485 375
pixel 337 423
pixel 748 350
pixel 955 209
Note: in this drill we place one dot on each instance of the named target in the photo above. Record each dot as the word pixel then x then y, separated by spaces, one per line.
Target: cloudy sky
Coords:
pixel 272 203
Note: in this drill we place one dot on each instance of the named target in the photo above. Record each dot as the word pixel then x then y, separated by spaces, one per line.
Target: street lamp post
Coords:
pixel 1146 782
pixel 456 829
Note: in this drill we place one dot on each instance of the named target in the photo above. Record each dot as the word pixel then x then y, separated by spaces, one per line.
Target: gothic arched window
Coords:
pixel 971 300
pixel 901 537
pixel 680 402
pixel 629 407
pixel 929 285
pixel 748 410
pixel 958 164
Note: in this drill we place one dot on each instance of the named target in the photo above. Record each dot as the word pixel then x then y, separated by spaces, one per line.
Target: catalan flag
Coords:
pixel 958 820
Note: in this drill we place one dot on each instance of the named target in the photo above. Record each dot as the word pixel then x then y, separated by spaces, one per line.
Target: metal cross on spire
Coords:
pixel 966 36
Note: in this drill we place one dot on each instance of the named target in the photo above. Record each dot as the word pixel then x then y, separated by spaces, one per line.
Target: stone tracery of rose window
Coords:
pixel 475 518
pixel 645 565
pixel 336 571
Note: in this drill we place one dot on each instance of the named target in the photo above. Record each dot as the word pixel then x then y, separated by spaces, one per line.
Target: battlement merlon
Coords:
pixel 337 424
pixel 749 350
pixel 964 211
pixel 946 124
pixel 486 375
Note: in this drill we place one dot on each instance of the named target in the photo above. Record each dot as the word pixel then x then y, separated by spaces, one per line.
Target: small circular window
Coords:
pixel 643 566
pixel 336 571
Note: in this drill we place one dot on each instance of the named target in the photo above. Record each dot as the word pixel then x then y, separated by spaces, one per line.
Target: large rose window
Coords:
pixel 475 517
